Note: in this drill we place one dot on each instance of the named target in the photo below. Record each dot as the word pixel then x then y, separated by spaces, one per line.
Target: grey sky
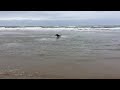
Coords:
pixel 58 15
pixel 83 16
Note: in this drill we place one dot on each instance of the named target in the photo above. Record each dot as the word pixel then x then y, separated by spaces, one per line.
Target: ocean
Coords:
pixel 81 52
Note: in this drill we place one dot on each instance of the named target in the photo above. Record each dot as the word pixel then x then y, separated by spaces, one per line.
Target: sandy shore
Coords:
pixel 12 67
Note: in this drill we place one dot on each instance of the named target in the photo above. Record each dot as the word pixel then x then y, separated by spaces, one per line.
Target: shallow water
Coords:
pixel 77 54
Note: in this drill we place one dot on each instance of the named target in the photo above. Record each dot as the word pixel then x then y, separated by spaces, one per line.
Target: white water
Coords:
pixel 58 28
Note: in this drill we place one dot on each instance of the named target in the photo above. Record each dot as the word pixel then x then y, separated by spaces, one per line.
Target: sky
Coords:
pixel 59 17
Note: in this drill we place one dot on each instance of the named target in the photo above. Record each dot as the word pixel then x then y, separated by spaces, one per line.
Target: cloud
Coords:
pixel 58 15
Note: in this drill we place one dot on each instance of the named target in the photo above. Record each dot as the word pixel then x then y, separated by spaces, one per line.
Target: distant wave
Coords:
pixel 78 28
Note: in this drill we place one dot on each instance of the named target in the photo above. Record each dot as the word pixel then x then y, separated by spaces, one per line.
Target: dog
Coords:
pixel 58 36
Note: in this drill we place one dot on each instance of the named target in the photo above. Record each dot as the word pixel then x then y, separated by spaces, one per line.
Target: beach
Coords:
pixel 37 54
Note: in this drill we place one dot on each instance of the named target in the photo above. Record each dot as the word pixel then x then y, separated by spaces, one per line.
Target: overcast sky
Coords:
pixel 91 17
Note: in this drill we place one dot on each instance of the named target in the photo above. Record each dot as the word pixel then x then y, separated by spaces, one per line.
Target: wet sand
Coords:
pixel 76 55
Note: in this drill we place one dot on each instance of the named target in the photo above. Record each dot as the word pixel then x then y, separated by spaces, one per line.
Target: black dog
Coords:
pixel 58 36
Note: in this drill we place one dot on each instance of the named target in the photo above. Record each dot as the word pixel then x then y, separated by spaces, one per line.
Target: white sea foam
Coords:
pixel 64 36
pixel 58 28
pixel 45 39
